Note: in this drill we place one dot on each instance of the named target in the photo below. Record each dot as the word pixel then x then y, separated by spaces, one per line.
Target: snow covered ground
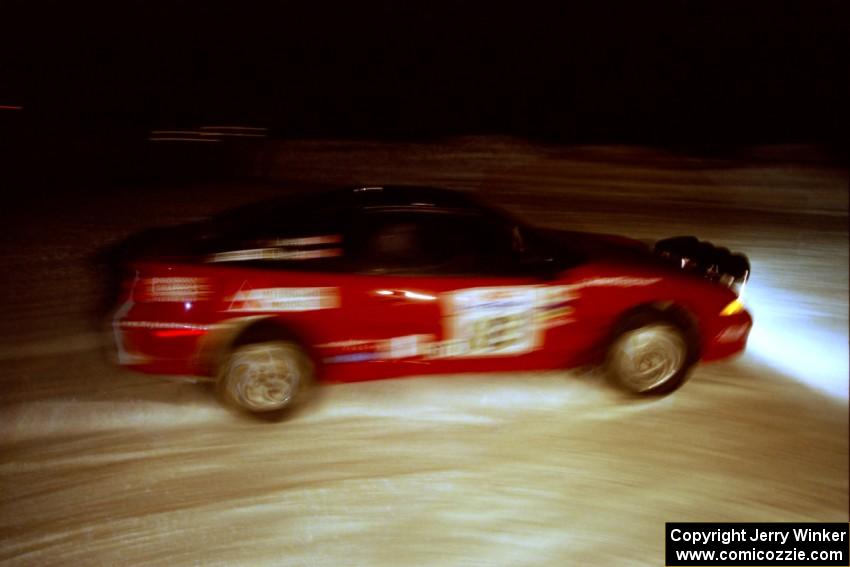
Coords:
pixel 105 467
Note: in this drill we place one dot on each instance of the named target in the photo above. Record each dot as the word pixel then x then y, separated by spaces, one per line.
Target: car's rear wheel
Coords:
pixel 266 377
pixel 649 355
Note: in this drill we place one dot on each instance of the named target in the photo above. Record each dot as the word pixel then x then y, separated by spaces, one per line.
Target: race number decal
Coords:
pixel 492 321
pixel 553 306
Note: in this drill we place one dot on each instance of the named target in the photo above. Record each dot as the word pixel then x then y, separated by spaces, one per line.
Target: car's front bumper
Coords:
pixel 727 337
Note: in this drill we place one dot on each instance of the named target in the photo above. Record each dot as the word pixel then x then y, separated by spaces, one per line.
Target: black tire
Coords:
pixel 269 377
pixel 650 354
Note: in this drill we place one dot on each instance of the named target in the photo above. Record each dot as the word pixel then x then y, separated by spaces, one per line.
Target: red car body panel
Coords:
pixel 177 318
pixel 362 317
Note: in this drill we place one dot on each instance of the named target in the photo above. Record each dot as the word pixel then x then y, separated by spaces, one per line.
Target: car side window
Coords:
pixel 309 252
pixel 301 233
pixel 428 242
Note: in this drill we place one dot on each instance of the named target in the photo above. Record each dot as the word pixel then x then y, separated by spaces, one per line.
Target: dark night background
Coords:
pixel 722 120
pixel 671 73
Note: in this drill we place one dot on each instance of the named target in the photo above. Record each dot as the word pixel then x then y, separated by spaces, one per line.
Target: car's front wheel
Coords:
pixel 649 355
pixel 266 377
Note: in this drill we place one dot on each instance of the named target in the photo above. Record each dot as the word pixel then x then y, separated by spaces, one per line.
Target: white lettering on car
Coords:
pixel 162 325
pixel 177 289
pixel 620 281
pixel 285 299
pixel 307 240
pixel 274 254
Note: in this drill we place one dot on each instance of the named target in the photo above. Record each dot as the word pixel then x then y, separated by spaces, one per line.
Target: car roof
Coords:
pixel 318 211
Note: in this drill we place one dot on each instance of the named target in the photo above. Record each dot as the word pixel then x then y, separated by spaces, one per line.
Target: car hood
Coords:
pixel 588 246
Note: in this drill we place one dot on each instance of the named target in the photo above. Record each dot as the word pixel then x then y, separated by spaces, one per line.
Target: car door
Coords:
pixel 444 291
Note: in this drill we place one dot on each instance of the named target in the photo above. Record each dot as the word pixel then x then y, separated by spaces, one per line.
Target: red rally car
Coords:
pixel 376 282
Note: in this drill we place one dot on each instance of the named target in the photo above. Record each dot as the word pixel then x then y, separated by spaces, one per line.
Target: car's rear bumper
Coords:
pixel 160 347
